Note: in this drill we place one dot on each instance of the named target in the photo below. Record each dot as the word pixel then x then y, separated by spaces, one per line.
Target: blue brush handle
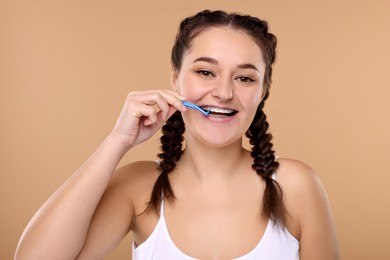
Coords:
pixel 190 105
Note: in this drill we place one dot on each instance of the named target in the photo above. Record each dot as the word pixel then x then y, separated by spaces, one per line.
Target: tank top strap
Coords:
pixel 162 206
pixel 273 176
pixel 162 194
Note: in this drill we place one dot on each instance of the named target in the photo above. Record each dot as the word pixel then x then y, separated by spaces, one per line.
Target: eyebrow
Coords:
pixel 215 62
pixel 206 59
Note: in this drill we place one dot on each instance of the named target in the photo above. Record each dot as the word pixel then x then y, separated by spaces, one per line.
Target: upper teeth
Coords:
pixel 218 109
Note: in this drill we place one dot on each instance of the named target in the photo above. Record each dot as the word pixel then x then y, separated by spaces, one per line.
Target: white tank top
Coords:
pixel 276 243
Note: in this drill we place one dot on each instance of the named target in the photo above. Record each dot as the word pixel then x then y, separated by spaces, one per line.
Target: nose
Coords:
pixel 223 90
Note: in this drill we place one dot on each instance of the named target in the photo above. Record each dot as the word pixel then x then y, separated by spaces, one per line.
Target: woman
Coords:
pixel 211 200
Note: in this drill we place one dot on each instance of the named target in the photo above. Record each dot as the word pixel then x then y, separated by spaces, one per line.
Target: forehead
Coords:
pixel 225 42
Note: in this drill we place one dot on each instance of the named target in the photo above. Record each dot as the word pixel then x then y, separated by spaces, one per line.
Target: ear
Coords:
pixel 173 80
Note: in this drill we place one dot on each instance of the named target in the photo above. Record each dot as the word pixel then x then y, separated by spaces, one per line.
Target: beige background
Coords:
pixel 66 67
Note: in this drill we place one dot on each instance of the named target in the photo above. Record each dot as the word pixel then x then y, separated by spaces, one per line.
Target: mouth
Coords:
pixel 219 112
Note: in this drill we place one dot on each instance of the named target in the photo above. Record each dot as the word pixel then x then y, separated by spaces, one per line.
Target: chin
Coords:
pixel 218 141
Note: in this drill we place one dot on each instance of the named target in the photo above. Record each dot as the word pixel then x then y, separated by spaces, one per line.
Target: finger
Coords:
pixel 174 99
pixel 146 113
pixel 163 100
pixel 162 108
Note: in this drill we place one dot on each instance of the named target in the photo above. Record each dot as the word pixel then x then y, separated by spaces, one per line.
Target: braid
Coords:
pixel 171 147
pixel 265 165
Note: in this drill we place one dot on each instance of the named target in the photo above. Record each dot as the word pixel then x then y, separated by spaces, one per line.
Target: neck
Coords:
pixel 206 162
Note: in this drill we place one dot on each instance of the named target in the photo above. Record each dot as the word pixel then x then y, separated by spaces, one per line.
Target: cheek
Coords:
pixel 252 99
pixel 189 88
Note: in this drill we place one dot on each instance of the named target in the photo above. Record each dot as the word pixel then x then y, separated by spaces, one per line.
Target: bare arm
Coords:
pixel 113 217
pixel 61 224
pixel 60 227
pixel 318 232
pixel 308 204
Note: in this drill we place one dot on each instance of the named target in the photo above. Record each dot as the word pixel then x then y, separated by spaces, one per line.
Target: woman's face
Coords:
pixel 222 71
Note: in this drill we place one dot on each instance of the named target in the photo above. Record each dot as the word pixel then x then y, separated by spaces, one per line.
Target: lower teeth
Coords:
pixel 218 115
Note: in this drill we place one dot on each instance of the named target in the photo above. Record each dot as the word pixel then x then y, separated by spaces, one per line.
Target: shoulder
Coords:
pixel 307 203
pixel 301 185
pixel 139 171
pixel 136 174
pixel 301 188
pixel 297 176
pixel 135 181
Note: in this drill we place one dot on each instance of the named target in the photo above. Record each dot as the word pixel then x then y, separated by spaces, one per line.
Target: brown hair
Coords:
pixel 264 162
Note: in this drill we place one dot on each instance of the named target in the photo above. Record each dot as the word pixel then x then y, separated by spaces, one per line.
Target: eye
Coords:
pixel 205 73
pixel 245 79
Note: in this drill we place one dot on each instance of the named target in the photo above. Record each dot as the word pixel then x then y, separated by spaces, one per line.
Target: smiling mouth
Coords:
pixel 219 112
